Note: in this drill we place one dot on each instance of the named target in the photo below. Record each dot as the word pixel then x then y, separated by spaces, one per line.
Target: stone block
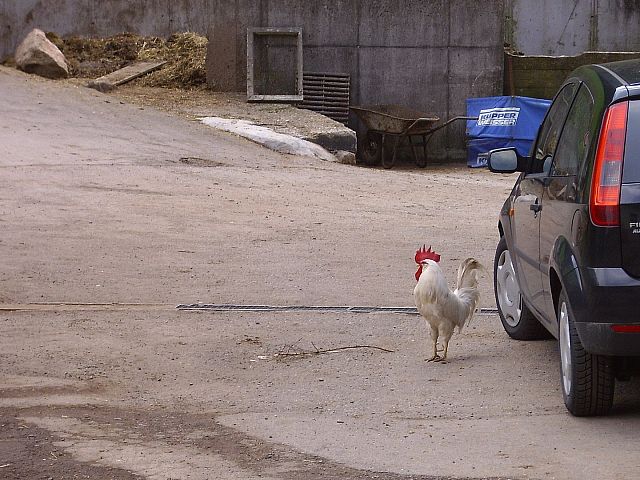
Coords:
pixel 36 54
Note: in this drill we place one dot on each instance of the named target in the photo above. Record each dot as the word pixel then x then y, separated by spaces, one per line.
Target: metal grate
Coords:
pixel 328 94
pixel 290 308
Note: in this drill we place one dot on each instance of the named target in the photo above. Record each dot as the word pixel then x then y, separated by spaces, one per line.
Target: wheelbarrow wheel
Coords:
pixel 372 148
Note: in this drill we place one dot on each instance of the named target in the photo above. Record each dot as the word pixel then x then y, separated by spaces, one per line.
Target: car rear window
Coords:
pixel 631 171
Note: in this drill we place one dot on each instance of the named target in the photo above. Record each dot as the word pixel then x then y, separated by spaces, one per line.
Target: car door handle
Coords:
pixel 535 207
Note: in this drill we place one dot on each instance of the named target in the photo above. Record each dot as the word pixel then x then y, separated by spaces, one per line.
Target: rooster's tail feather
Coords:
pixel 467 288
pixel 467 273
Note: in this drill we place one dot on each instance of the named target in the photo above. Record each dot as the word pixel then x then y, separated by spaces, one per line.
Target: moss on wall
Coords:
pixel 540 77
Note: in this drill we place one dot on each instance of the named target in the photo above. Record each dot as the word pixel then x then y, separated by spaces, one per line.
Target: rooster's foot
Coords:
pixel 437 359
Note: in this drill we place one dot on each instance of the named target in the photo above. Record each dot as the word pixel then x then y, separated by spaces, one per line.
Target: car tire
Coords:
pixel 516 318
pixel 587 380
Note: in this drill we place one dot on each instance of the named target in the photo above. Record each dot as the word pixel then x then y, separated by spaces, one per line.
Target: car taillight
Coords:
pixel 604 204
pixel 626 328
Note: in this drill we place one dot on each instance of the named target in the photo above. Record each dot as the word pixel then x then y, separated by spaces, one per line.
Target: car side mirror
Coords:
pixel 506 160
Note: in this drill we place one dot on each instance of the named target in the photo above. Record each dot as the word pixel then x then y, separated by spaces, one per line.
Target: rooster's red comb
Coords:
pixel 426 254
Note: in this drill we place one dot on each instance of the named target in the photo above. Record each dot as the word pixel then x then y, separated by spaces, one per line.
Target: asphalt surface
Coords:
pixel 111 215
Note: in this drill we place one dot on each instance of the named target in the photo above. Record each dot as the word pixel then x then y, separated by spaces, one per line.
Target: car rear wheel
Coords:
pixel 587 380
pixel 516 318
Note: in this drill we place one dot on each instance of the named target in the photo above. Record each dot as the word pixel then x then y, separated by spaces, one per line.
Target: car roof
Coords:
pixel 626 72
pixel 615 80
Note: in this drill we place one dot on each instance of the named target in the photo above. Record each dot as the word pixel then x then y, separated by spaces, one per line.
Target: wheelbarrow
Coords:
pixel 396 122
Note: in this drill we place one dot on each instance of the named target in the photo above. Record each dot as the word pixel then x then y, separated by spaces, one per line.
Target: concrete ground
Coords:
pixel 112 214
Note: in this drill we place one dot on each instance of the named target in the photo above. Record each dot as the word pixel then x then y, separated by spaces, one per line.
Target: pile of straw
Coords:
pixel 185 54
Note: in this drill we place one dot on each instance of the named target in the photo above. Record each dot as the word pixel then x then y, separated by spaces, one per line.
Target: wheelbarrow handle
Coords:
pixel 429 135
pixel 435 129
pixel 454 119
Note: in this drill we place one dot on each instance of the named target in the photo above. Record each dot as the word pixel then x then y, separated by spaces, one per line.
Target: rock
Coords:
pixel 36 54
pixel 334 137
pixel 101 85
pixel 348 158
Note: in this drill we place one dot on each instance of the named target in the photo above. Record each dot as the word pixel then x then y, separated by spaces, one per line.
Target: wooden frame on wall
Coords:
pixel 252 33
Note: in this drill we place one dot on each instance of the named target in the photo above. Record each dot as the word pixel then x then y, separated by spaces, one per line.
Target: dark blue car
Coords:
pixel 568 260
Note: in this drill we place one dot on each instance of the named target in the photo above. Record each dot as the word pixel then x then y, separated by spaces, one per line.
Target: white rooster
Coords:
pixel 443 309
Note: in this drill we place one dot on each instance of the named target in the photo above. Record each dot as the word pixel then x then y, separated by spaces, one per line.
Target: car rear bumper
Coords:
pixel 609 297
pixel 600 339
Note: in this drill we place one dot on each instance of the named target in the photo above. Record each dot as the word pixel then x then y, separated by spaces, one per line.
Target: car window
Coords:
pixel 576 139
pixel 551 128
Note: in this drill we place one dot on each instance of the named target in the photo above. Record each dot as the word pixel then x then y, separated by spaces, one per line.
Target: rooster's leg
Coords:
pixel 446 348
pixel 434 337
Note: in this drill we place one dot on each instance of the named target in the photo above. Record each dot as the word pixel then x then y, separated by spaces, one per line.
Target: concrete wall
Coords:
pixel 429 55
pixel 570 27
pixel 426 54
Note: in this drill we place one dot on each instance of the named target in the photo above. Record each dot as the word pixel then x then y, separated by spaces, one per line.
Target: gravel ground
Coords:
pixel 113 212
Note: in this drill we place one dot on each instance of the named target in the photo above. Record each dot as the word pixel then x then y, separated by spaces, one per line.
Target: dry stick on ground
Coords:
pixel 329 350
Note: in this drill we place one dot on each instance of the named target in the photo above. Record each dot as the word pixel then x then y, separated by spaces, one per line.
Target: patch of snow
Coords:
pixel 278 142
